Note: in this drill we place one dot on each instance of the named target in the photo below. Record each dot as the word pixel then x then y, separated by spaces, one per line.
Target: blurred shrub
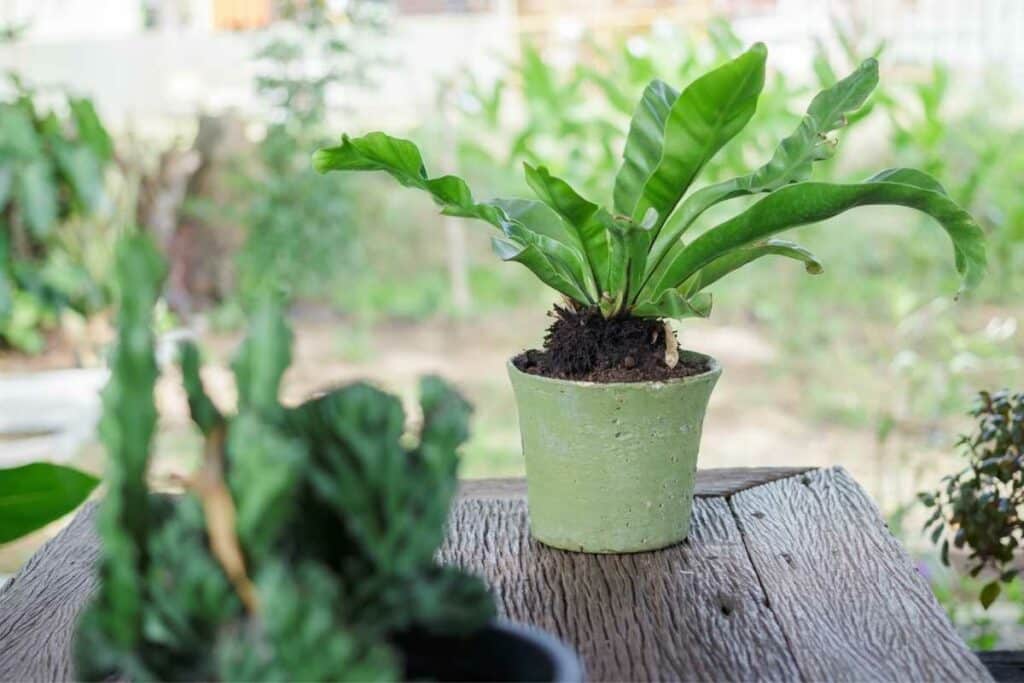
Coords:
pixel 52 166
pixel 301 227
pixel 979 507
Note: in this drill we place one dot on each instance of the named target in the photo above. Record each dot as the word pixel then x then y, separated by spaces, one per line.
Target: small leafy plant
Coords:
pixel 980 506
pixel 304 546
pixel 643 258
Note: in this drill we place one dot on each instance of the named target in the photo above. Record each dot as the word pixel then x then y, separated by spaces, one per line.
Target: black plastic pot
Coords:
pixel 503 651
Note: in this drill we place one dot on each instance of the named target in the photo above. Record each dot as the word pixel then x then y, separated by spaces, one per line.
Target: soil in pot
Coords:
pixel 585 346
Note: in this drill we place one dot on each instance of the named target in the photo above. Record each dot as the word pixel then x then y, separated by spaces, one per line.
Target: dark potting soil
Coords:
pixel 585 346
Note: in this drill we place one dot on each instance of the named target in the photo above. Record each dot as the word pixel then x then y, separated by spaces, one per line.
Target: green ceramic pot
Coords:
pixel 610 467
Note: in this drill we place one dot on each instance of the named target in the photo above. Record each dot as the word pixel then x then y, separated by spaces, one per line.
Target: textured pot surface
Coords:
pixel 610 467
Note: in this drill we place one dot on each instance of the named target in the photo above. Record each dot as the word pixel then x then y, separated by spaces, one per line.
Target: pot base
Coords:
pixel 569 546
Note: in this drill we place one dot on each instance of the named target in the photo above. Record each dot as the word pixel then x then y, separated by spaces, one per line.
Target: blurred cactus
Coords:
pixel 304 548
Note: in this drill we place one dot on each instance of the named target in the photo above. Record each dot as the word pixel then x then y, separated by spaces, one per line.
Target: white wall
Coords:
pixel 56 20
pixel 139 76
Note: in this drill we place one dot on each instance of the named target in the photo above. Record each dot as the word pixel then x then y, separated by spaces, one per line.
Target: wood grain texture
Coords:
pixel 710 483
pixel 847 596
pixel 40 604
pixel 796 579
pixel 691 612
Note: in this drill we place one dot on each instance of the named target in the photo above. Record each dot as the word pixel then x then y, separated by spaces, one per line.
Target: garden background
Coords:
pixel 194 120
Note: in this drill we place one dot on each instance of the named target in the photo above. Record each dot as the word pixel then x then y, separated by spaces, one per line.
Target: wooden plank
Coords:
pixel 691 612
pixel 710 483
pixel 846 595
pixel 41 603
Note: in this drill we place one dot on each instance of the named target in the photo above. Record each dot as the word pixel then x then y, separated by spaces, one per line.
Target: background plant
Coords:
pixel 52 167
pixel 305 544
pixel 301 230
pixel 980 506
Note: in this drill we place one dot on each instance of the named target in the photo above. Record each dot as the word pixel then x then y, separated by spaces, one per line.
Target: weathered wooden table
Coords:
pixel 787 575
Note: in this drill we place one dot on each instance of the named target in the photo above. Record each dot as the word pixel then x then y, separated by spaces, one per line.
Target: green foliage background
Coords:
pixel 52 189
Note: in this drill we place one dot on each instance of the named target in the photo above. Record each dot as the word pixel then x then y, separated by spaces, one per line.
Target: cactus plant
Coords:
pixel 303 548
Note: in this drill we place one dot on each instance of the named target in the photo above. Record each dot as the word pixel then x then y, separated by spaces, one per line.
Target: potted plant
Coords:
pixel 976 511
pixel 303 548
pixel 611 409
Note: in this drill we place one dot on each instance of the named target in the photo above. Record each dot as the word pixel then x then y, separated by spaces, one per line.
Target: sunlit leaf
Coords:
pixel 792 159
pixel 811 202
pixel 644 142
pixel 708 113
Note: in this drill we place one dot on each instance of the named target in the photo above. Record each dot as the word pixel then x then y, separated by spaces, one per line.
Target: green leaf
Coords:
pixel 18 137
pixel 708 113
pixel 204 412
pixel 535 223
pixel 263 357
pixel 401 160
pixel 90 129
pixel 445 428
pixel 737 258
pixel 629 245
pixel 675 304
pixel 36 194
pixel 540 265
pixel 989 593
pixel 541 219
pixel 792 159
pixel 643 144
pixel 6 288
pixel 266 466
pixel 552 260
pixel 590 221
pixel 811 202
pixel 126 430
pixel 34 495
pixel 83 171
pixel 6 184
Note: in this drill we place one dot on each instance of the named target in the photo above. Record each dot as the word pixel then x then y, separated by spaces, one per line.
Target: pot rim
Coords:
pixel 565 660
pixel 714 369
